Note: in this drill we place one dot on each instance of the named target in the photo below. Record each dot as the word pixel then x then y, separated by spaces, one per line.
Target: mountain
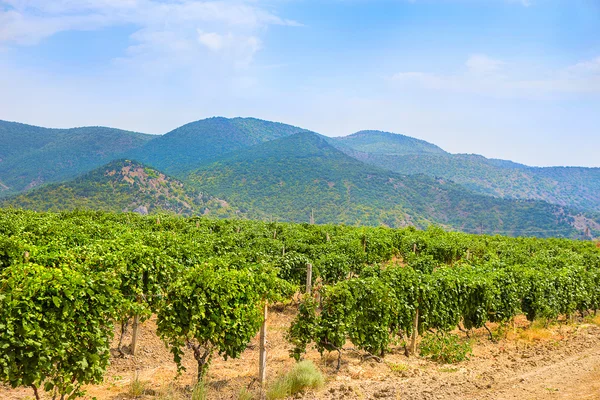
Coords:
pixel 573 187
pixel 121 186
pixel 299 175
pixel 31 155
pixel 207 140
pixel 385 143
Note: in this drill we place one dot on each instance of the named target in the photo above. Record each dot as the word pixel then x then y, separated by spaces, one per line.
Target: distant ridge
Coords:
pixel 207 140
pixel 575 187
pixel 369 177
pixel 387 143
pixel 292 177
pixel 31 156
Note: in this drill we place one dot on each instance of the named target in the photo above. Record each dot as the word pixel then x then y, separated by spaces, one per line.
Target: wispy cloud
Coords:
pixel 169 26
pixel 487 76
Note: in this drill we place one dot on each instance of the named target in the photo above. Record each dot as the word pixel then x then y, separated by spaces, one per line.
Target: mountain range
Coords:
pixel 260 169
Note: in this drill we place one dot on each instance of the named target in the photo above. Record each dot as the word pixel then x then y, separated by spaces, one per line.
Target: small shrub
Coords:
pixel 304 375
pixel 445 348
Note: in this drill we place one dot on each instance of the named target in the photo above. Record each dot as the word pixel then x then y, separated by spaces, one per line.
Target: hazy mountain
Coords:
pixel 574 187
pixel 207 140
pixel 31 155
pixel 291 177
pixel 121 185
pixel 386 143
pixel 273 170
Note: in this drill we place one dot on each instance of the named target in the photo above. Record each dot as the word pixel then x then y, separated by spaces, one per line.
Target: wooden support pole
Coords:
pixel 415 333
pixel 262 366
pixel 308 278
pixel 134 333
pixel 134 330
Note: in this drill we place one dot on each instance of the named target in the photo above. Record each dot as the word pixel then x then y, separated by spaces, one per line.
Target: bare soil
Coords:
pixel 529 362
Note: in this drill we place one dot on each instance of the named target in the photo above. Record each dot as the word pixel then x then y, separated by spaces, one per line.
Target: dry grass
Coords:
pixel 398 368
pixel 538 331
pixel 593 319
pixel 138 388
pixel 304 375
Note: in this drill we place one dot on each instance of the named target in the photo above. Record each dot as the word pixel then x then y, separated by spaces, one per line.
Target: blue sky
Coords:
pixel 512 79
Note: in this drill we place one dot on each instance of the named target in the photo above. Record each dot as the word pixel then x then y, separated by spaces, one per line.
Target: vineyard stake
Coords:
pixel 308 278
pixel 134 327
pixel 413 343
pixel 262 371
pixel 134 333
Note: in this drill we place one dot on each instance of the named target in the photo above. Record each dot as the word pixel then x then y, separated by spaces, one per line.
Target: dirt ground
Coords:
pixel 559 362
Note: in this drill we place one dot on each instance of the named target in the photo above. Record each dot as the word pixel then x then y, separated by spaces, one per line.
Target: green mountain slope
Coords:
pixel 121 185
pixel 291 177
pixel 573 187
pixel 31 156
pixel 208 140
pixel 378 142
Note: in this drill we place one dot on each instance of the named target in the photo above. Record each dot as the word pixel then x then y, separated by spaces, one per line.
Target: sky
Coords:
pixel 510 79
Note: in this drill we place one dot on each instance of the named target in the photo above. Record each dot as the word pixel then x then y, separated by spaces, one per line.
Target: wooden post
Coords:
pixel 283 250
pixel 134 330
pixel 262 366
pixel 413 343
pixel 134 333
pixel 308 278
pixel 26 257
pixel 415 248
pixel 468 254
pixel 312 217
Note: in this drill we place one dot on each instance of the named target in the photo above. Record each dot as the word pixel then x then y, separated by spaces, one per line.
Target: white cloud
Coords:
pixel 165 27
pixel 212 40
pixel 488 76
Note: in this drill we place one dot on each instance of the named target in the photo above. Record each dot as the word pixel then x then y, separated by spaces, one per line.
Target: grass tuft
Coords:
pixel 398 367
pixel 200 392
pixel 304 375
pixel 245 394
pixel 137 387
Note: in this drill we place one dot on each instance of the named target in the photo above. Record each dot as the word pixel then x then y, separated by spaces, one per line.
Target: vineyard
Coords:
pixel 68 279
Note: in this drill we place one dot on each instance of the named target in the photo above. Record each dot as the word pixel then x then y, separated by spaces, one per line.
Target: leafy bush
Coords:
pixel 55 328
pixel 445 348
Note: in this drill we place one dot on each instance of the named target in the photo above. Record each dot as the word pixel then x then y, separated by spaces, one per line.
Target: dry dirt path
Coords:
pixel 561 363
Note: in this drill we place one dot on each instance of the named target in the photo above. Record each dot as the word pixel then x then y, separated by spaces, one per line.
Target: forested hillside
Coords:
pixel 568 186
pixel 208 140
pixel 122 186
pixel 269 170
pixel 31 156
pixel 294 177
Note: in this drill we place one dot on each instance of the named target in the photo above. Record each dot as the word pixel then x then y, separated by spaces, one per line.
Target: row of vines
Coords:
pixel 67 278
